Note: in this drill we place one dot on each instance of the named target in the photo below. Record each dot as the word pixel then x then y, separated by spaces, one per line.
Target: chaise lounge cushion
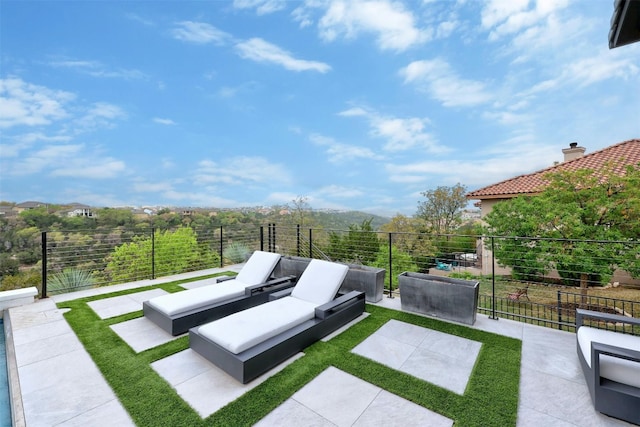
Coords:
pixel 320 281
pixel 245 329
pixel 193 299
pixel 613 368
pixel 318 284
pixel 256 270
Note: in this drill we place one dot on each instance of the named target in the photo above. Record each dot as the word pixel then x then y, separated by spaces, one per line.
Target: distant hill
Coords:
pixel 342 220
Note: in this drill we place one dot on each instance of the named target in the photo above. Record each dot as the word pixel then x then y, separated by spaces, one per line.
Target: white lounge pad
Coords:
pixel 612 368
pixel 192 299
pixel 318 284
pixel 240 331
pixel 256 270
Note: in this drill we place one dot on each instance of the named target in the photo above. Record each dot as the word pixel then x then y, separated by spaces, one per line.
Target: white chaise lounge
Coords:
pixel 248 343
pixel 177 312
pixel 611 365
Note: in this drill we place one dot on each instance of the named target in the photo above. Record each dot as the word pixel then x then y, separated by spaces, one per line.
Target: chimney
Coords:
pixel 573 152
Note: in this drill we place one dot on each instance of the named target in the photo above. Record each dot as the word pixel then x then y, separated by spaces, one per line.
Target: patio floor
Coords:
pixel 59 384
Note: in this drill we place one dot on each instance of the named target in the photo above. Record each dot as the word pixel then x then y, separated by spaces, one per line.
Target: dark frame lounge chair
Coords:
pixel 611 365
pixel 178 312
pixel 232 345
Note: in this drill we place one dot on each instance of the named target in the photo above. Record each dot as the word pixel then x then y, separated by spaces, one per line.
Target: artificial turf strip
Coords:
pixel 491 397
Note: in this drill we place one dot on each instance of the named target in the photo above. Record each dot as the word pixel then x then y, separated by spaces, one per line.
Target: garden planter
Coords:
pixel 369 280
pixel 291 266
pixel 443 297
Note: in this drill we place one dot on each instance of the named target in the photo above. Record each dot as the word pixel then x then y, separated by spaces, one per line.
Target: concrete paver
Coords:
pixel 62 386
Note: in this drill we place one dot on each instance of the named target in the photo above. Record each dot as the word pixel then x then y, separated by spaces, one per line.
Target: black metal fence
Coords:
pixel 538 281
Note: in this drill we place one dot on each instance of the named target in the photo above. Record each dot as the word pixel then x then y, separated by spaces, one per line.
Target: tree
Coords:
pixel 401 262
pixel 583 224
pixel 359 245
pixel 174 251
pixel 300 208
pixel 442 208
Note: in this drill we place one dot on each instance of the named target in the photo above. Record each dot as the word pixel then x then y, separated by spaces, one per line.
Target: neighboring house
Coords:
pixel 77 209
pixel 619 155
pixel 7 211
pixel 25 206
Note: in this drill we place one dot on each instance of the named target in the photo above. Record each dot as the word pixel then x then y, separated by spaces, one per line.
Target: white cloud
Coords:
pixel 259 50
pixel 263 7
pixel 353 112
pixel 13 146
pixel 162 121
pixel 151 187
pixel 69 160
pixel 241 171
pixel 27 104
pixel 393 25
pixel 400 133
pixel 440 81
pixel 496 163
pixel 97 69
pixel 199 33
pixel 339 153
pixel 98 115
pixel 338 192
pixel 91 168
pixel 505 18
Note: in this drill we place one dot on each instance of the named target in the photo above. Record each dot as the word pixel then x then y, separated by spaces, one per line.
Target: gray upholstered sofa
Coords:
pixel 611 364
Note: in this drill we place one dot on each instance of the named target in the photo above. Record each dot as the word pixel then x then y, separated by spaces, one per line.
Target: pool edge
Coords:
pixel 15 393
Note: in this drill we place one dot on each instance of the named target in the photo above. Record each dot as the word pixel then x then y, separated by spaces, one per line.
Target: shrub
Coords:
pixel 70 279
pixel 236 253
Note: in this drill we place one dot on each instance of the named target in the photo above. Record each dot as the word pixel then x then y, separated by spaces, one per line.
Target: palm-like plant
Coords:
pixel 236 253
pixel 70 279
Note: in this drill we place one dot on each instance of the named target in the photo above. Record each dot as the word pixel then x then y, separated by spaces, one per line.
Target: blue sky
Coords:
pixel 353 104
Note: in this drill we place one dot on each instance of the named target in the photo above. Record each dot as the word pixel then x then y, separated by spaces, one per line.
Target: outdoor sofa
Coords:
pixel 179 311
pixel 251 342
pixel 611 365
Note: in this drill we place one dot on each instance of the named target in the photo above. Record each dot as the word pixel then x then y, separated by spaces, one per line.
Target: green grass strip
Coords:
pixel 491 397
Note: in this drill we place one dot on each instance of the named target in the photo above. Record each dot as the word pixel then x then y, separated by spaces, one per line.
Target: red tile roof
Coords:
pixel 620 155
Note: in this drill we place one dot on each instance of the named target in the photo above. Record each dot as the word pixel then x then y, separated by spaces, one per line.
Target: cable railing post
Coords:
pixel 559 311
pixel 310 243
pixel 298 239
pixel 262 238
pixel 221 249
pixel 390 267
pixel 153 252
pixel 493 280
pixel 44 264
pixel 274 238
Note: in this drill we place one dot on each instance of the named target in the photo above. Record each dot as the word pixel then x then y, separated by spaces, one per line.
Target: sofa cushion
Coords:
pixel 258 267
pixel 613 368
pixel 320 281
pixel 183 301
pixel 245 329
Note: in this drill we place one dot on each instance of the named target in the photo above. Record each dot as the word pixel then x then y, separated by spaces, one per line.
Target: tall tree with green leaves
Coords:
pixel 359 245
pixel 585 224
pixel 441 211
pixel 174 252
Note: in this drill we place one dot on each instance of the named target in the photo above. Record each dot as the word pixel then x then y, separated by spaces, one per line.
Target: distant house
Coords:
pixel 25 206
pixel 79 210
pixel 7 211
pixel 620 155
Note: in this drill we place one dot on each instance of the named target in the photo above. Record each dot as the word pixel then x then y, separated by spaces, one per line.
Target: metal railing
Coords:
pixel 517 286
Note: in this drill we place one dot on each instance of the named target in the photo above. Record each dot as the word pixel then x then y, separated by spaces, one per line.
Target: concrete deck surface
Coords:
pixel 59 385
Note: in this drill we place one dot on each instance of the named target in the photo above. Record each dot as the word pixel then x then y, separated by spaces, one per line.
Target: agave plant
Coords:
pixel 236 253
pixel 70 279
